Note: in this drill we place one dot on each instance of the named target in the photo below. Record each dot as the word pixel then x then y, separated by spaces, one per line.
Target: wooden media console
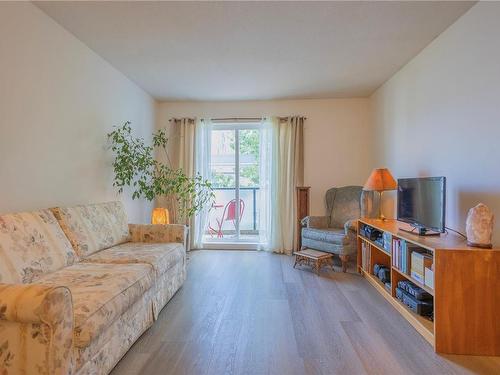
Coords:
pixel 466 288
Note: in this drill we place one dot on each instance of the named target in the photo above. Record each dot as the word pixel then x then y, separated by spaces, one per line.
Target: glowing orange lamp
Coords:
pixel 380 180
pixel 160 216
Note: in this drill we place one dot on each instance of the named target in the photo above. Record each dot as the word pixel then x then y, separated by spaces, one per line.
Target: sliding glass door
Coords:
pixel 235 175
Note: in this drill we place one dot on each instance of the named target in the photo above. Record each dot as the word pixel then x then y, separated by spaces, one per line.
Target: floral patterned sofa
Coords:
pixel 78 286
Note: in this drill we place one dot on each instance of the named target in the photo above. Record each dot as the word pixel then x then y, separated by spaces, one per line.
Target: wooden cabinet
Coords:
pixel 466 289
pixel 302 193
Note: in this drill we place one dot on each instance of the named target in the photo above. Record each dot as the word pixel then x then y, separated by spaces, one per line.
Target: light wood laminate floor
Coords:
pixel 244 312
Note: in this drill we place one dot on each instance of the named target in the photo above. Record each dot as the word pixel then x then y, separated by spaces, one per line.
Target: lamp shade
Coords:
pixel 160 216
pixel 380 179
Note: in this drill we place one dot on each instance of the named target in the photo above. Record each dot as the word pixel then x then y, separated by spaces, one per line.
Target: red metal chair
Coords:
pixel 230 214
pixel 211 230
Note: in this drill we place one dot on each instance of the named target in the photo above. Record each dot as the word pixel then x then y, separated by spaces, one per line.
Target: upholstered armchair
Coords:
pixel 336 231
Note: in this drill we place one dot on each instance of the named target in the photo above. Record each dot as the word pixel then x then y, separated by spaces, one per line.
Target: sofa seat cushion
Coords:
pixel 94 227
pixel 330 235
pixel 161 256
pixel 101 294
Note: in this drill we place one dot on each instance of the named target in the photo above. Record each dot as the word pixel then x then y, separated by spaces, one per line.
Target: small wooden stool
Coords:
pixel 314 258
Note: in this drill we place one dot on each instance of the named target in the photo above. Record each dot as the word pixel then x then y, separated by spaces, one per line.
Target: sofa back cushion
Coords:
pixel 32 244
pixel 93 227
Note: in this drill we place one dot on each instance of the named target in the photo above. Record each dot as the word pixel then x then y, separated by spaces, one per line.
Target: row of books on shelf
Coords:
pixel 400 254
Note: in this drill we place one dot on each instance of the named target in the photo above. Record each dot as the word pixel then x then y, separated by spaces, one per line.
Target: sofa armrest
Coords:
pixel 36 319
pixel 315 222
pixel 158 233
pixel 351 225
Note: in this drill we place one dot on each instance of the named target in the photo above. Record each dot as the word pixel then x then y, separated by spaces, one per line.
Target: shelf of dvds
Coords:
pixel 465 284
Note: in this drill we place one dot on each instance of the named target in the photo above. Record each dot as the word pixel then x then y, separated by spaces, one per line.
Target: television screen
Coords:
pixel 421 202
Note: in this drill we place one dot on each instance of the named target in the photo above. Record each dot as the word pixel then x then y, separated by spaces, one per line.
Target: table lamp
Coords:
pixel 160 216
pixel 380 180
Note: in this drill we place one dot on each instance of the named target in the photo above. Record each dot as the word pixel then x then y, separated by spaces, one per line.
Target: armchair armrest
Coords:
pixel 158 233
pixel 351 225
pixel 315 222
pixel 36 319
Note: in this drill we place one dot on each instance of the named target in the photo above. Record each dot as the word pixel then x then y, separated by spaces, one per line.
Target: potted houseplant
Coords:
pixel 137 166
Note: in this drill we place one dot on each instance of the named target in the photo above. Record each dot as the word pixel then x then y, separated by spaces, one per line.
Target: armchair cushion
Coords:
pixel 330 235
pixel 93 227
pixel 161 256
pixel 101 293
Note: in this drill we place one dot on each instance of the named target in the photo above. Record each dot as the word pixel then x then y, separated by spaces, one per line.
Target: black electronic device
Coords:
pixel 376 268
pixel 388 286
pixel 422 203
pixel 382 272
pixel 424 308
pixel 416 291
pixel 372 233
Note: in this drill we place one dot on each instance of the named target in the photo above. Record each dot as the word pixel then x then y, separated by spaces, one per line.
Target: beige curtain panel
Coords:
pixel 290 175
pixel 182 145
pixel 186 145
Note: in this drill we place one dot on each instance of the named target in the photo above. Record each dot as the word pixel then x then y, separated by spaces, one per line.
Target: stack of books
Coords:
pixel 420 261
pixel 365 256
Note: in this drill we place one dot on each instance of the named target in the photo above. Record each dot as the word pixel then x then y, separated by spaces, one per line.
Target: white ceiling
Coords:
pixel 256 50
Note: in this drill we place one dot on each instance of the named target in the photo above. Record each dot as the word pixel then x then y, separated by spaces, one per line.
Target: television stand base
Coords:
pixel 421 232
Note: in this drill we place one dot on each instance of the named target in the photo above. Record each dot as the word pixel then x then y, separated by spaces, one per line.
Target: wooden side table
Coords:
pixel 314 258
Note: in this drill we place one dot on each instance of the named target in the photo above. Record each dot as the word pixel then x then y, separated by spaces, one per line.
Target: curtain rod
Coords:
pixel 237 119
pixel 240 119
pixel 179 119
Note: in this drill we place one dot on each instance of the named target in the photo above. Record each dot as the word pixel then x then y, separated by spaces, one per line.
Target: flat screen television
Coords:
pixel 422 202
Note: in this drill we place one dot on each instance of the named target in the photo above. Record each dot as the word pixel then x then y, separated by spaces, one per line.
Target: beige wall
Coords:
pixel 440 115
pixel 58 99
pixel 338 142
